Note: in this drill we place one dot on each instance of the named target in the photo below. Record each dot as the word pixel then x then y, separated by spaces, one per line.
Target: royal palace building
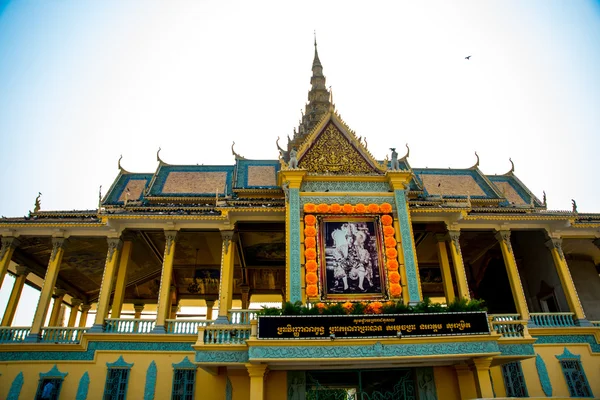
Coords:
pixel 380 268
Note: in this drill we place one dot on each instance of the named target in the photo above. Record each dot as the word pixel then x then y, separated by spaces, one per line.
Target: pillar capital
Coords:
pixel 170 237
pixel 114 244
pixel 8 242
pixel 398 180
pixel 75 302
pixel 228 236
pixel 57 244
pixel 23 270
pixel 554 243
pixel 138 307
pixel 294 177
pixel 60 292
pixel 85 307
pixel 503 235
pixel 256 370
pixel 482 363
pixel 454 236
pixel 245 288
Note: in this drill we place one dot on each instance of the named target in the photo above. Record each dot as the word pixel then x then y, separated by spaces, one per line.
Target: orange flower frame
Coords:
pixel 393 280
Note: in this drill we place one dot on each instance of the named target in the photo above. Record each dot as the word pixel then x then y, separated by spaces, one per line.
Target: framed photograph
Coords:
pixel 351 258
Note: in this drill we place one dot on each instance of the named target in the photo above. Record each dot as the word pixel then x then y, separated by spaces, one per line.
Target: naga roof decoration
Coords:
pixel 513 190
pixel 333 148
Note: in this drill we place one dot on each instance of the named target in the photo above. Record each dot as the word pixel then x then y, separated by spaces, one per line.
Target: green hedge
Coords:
pixel 389 307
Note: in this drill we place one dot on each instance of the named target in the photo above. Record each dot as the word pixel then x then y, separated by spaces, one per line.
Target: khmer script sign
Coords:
pixel 372 326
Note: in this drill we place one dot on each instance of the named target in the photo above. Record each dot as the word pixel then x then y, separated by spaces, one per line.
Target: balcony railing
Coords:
pixel 508 325
pixel 61 335
pixel 118 325
pixel 186 326
pixel 552 320
pixel 224 334
pixel 242 317
pixel 13 334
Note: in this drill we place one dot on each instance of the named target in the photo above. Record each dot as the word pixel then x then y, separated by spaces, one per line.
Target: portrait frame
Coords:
pixel 351 258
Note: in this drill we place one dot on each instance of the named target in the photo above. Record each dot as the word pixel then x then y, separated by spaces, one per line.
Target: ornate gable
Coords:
pixel 331 149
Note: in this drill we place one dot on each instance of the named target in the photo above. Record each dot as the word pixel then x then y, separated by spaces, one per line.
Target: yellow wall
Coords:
pixel 498 381
pixel 212 387
pixel 446 384
pixel 208 386
pixel 240 381
pixel 589 361
pixel 276 385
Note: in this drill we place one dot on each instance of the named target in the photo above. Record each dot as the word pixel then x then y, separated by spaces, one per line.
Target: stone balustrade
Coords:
pixel 121 325
pixel 242 317
pixel 13 334
pixel 186 326
pixel 223 334
pixel 61 335
pixel 552 320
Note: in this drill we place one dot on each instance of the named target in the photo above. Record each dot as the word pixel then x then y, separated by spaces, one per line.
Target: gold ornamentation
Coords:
pixel 332 152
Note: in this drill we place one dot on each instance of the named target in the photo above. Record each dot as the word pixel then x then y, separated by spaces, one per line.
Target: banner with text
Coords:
pixel 367 326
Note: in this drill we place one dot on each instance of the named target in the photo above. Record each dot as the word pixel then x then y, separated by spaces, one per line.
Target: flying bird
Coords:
pixel 467 57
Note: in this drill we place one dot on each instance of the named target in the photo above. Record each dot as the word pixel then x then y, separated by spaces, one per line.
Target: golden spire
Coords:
pixel 319 101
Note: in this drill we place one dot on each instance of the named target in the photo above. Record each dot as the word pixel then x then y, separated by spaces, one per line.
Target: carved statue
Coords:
pixel 37 203
pixel 293 164
pixel 395 163
pixel 286 190
pixel 127 194
pixel 574 203
pixel 100 197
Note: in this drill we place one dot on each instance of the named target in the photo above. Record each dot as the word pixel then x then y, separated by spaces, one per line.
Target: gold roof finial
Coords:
pixel 407 152
pixel 123 170
pixel 37 203
pixel 236 155
pixel 476 162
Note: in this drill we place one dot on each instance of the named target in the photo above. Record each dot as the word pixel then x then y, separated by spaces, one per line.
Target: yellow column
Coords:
pixel 138 308
pixel 173 304
pixel 466 384
pixel 245 288
pixel 226 282
pixel 15 295
pixel 445 268
pixel 555 246
pixel 9 244
pixel 119 296
pixel 74 308
pixel 459 267
pixel 47 288
pixel 210 304
pixel 483 382
pixel 516 287
pixel 257 380
pixel 164 294
pixel 85 309
pixel 59 296
pixel 112 258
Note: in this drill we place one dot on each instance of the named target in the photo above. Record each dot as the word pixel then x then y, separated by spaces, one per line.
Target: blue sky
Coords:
pixel 83 82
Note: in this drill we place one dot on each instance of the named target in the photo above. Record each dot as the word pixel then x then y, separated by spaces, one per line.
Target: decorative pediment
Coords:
pixel 333 149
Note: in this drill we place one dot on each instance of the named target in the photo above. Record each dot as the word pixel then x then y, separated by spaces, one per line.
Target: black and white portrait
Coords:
pixel 351 258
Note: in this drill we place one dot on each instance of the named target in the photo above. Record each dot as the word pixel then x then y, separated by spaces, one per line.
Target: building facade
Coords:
pixel 155 293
